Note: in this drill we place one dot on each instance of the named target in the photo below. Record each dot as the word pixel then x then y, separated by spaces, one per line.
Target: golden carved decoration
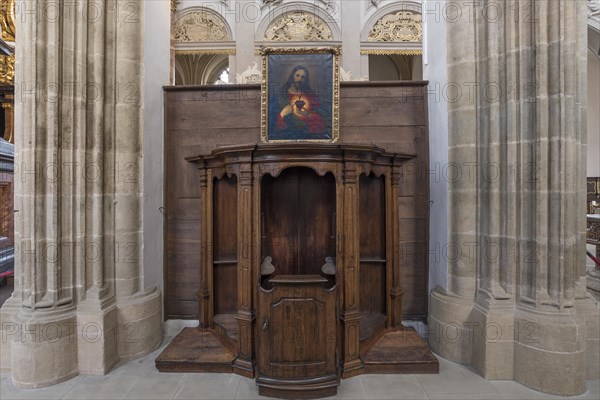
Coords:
pixel 7 131
pixel 7 20
pixel 200 26
pixel 401 26
pixel 174 4
pixel 230 52
pixel 298 26
pixel 389 52
pixel 7 69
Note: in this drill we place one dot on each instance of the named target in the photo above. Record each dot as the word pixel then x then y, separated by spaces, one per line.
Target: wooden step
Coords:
pixel 195 350
pixel 399 351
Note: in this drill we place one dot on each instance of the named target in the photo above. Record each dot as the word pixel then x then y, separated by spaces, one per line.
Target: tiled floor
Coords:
pixel 139 379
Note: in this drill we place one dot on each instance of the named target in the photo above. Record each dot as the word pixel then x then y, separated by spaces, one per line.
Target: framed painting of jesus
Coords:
pixel 300 94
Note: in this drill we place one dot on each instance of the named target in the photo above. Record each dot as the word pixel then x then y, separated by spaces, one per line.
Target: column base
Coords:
pixel 450 334
pixel 589 310
pixel 493 340
pixel 48 341
pixel 8 329
pixel 140 324
pixel 97 337
pixel 550 352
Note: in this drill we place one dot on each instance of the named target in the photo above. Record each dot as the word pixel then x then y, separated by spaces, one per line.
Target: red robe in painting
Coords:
pixel 305 117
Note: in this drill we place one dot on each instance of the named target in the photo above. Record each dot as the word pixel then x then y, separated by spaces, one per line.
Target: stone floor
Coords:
pixel 139 379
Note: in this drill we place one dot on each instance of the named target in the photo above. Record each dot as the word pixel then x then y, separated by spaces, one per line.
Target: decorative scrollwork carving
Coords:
pixel 401 26
pixel 200 26
pixel 298 26
pixel 7 69
pixel 251 75
pixel 174 4
pixel 7 20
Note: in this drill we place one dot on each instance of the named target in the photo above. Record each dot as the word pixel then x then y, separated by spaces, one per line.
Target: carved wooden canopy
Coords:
pixel 272 159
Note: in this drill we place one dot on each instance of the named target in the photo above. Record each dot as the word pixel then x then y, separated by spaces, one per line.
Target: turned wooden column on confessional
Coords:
pixel 205 297
pixel 350 362
pixel 246 315
pixel 395 293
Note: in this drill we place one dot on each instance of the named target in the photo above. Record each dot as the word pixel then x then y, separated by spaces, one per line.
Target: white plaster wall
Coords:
pixel 593 115
pixel 436 72
pixel 157 45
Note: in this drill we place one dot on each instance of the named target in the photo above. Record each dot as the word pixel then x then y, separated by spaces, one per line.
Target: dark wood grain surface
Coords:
pixel 199 120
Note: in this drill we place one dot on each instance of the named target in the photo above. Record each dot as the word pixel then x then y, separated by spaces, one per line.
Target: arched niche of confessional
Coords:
pixel 298 220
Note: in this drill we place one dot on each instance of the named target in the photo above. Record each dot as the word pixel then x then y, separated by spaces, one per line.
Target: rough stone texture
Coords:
pixel 97 340
pixel 44 352
pixel 449 333
pixel 140 325
pixel 523 133
pixel 80 304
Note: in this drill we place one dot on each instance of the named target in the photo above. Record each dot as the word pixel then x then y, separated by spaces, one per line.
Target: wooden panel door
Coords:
pixel 297 332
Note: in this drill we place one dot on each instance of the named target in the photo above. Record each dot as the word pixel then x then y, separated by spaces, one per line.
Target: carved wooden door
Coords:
pixel 297 331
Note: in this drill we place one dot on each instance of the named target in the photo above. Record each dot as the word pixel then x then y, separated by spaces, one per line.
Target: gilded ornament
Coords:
pixel 7 69
pixel 401 26
pixel 174 4
pixel 299 27
pixel 7 20
pixel 200 26
pixel 389 52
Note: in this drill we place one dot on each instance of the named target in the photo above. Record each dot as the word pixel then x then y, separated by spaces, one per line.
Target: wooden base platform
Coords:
pixel 398 351
pixel 393 351
pixel 195 350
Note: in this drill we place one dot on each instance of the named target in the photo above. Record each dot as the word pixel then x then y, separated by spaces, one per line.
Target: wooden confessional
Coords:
pixel 300 267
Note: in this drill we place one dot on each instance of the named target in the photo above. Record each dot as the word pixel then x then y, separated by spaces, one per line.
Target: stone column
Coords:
pixel 348 14
pixel 519 124
pixel 79 304
pixel 450 333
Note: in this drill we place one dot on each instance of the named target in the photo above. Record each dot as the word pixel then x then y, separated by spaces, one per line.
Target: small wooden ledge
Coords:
pixel 195 350
pixel 399 351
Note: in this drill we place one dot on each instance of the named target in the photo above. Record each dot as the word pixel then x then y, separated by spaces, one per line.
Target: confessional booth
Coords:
pixel 303 258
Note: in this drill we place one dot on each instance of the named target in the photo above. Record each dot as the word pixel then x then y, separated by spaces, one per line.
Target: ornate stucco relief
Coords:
pixel 401 26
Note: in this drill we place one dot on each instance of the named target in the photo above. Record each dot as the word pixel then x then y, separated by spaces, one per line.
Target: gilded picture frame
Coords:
pixel 300 94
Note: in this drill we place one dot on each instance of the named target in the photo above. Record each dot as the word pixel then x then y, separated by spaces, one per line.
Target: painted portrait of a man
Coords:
pixel 300 96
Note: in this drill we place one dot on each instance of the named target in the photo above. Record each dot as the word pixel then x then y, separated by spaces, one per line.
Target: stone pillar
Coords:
pixel 450 331
pixel 347 16
pixel 516 132
pixel 79 304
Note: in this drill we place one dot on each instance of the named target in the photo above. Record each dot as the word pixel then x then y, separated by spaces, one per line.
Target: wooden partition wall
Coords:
pixel 199 120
